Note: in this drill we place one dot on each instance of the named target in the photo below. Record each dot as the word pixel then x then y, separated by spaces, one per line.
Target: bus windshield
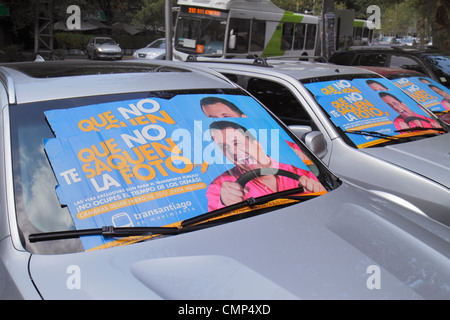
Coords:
pixel 200 30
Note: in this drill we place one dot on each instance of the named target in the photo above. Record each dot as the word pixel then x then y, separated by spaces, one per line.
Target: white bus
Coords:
pixel 239 28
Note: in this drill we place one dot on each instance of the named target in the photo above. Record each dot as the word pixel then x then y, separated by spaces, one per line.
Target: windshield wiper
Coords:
pixel 106 231
pixel 421 129
pixel 186 225
pixel 374 134
pixel 287 194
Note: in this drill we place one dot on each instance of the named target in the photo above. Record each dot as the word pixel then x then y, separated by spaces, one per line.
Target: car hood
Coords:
pixel 347 244
pixel 427 157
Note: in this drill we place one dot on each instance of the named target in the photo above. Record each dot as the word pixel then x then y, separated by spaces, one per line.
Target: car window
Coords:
pixel 341 58
pixel 279 100
pixel 140 159
pixel 399 61
pixel 371 59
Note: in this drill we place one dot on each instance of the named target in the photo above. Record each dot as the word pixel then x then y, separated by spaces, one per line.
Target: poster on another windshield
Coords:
pixel 158 161
pixel 431 94
pixel 371 111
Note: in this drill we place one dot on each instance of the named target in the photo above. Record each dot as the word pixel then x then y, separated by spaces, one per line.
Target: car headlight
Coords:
pixel 99 49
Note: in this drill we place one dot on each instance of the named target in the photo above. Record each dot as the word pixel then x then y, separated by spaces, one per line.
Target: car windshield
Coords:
pixel 140 160
pixel 429 93
pixel 161 44
pixel 371 111
pixel 441 67
pixel 104 41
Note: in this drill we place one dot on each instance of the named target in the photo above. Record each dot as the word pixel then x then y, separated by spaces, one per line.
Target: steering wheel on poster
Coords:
pixel 253 174
pixel 412 118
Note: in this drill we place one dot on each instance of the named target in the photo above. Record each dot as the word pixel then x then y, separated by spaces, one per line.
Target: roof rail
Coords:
pixel 246 58
pixel 380 47
pixel 249 59
pixel 8 83
pixel 260 61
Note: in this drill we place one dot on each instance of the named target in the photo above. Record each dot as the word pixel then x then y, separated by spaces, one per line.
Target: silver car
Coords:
pixel 356 133
pixel 112 187
pixel 103 48
pixel 155 50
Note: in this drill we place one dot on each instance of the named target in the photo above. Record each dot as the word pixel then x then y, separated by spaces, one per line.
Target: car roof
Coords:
pixel 50 80
pixel 386 48
pixel 296 69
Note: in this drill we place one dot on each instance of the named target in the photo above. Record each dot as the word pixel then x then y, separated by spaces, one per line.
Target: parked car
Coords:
pixel 155 50
pixel 370 149
pixel 388 40
pixel 109 191
pixel 424 90
pixel 428 62
pixel 103 48
pixel 411 42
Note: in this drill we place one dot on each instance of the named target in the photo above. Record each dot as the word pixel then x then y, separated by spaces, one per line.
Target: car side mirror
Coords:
pixel 315 141
pixel 300 131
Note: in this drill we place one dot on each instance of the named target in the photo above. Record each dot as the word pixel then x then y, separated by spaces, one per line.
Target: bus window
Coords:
pixel 241 29
pixel 310 37
pixel 357 34
pixel 258 35
pixel 188 29
pixel 370 38
pixel 299 38
pixel 287 36
pixel 200 31
pixel 366 33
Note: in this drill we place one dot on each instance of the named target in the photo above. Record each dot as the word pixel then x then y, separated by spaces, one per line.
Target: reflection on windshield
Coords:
pixel 371 105
pixel 141 161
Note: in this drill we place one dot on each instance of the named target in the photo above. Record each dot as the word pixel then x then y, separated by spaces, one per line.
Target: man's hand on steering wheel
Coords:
pixel 233 192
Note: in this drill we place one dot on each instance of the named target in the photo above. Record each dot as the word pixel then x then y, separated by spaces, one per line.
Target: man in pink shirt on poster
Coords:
pixel 407 119
pixel 240 147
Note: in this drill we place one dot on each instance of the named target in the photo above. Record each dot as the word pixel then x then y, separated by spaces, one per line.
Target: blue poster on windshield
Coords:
pixel 431 94
pixel 363 106
pixel 156 162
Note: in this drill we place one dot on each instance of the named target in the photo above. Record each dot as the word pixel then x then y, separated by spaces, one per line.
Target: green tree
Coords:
pixel 151 14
